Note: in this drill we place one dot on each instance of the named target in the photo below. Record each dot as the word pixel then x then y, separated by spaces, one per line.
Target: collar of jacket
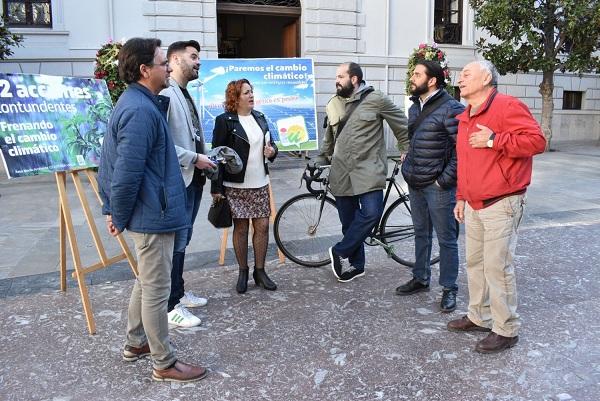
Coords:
pixel 161 102
pixel 466 115
pixel 356 95
pixel 258 117
pixel 437 95
pixel 234 116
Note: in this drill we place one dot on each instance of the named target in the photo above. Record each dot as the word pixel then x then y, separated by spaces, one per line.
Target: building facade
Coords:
pixel 62 37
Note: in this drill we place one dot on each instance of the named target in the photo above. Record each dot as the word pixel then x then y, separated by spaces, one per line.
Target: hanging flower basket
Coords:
pixel 429 52
pixel 106 67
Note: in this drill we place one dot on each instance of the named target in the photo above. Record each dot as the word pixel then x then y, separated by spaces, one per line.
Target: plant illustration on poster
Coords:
pixel 283 90
pixel 50 123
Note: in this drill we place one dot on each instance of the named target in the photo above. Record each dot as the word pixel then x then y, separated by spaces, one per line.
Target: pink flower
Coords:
pixel 422 46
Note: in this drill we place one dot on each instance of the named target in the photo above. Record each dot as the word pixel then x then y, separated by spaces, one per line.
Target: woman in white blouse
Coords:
pixel 246 131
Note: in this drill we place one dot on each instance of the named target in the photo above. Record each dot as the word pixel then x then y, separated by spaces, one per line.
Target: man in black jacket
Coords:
pixel 430 171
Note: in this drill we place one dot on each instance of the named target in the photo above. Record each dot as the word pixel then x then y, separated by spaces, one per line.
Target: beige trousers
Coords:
pixel 491 239
pixel 147 319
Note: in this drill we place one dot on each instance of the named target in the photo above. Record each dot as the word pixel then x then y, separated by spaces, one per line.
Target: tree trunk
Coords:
pixel 546 90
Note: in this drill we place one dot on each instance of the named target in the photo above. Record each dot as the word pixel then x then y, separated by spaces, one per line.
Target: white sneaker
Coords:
pixel 189 300
pixel 182 317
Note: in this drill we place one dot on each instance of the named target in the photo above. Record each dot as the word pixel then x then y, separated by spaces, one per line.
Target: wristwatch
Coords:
pixel 490 142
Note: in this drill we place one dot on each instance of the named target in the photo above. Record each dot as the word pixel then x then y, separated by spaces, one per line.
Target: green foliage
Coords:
pixel 106 67
pixel 7 39
pixel 541 35
pixel 88 129
pixel 431 53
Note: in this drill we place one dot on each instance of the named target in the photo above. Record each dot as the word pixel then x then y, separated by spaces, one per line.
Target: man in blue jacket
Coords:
pixel 430 172
pixel 143 192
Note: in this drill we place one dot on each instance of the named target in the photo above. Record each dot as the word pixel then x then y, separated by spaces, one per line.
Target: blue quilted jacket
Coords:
pixel 139 176
pixel 432 151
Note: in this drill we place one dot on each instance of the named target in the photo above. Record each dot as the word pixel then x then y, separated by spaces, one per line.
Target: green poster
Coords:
pixel 50 123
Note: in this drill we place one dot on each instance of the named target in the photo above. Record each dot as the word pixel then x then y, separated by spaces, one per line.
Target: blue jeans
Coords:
pixel 182 239
pixel 358 215
pixel 432 207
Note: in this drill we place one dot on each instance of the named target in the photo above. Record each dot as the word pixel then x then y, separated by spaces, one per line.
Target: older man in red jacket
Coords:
pixel 497 138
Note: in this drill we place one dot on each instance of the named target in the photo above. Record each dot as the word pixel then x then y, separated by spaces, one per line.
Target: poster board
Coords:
pixel 283 90
pixel 51 123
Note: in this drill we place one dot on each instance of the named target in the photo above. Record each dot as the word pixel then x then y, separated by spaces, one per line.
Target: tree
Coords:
pixel 540 35
pixel 7 39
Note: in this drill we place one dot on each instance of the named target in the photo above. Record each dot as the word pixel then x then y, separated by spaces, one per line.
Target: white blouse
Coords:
pixel 255 176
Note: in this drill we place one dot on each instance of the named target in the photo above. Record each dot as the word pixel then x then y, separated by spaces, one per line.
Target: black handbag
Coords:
pixel 219 214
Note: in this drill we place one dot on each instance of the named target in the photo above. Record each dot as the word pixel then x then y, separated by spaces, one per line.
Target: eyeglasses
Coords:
pixel 163 64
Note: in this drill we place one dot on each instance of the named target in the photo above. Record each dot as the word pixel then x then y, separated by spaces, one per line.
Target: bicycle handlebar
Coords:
pixel 313 174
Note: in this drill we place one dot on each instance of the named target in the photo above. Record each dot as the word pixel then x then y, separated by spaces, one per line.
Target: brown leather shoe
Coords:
pixel 465 324
pixel 132 354
pixel 495 343
pixel 180 372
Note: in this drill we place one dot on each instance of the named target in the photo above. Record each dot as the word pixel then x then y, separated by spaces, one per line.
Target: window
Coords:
pixel 572 100
pixel 447 20
pixel 28 13
pixel 284 3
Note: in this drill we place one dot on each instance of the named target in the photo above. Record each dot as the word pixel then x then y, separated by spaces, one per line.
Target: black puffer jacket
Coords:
pixel 432 150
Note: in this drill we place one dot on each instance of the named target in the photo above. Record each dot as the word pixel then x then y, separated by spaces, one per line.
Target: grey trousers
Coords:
pixel 147 314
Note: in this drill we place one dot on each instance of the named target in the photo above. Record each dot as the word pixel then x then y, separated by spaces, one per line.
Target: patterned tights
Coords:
pixel 260 241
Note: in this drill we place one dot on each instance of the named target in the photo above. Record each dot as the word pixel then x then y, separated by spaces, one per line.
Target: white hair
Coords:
pixel 491 69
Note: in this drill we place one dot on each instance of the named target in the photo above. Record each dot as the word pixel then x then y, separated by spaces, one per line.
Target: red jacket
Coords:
pixel 488 173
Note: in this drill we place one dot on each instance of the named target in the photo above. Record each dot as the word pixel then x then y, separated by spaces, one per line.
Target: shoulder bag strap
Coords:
pixel 351 109
pixel 424 113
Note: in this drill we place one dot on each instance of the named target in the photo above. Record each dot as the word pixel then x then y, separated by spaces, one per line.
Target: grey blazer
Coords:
pixel 182 130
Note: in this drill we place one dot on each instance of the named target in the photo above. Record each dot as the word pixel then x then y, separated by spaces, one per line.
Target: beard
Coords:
pixel 344 90
pixel 419 89
pixel 191 73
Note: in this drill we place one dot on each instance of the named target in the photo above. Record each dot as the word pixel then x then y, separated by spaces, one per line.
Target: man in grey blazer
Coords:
pixel 185 128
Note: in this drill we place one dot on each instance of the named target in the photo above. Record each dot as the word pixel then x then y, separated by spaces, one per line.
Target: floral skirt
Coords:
pixel 248 203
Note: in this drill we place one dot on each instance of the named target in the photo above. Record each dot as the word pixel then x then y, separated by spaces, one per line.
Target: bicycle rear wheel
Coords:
pixel 397 230
pixel 301 236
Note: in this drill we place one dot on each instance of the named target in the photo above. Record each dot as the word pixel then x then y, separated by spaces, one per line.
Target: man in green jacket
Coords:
pixel 355 145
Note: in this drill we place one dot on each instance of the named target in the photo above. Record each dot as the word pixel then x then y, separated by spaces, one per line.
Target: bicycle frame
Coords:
pixel 375 238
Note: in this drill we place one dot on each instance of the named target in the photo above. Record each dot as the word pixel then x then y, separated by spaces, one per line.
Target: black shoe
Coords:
pixel 350 274
pixel 242 284
pixel 337 263
pixel 448 303
pixel 412 287
pixel 262 280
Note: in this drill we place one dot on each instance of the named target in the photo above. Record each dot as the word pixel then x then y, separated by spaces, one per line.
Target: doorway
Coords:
pixel 258 29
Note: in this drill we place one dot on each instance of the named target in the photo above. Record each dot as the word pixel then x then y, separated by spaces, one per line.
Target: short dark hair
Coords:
pixel 134 53
pixel 181 45
pixel 433 69
pixel 354 70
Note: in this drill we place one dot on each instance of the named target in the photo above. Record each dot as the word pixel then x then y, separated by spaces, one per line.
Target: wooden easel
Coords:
pixel 225 232
pixel 67 231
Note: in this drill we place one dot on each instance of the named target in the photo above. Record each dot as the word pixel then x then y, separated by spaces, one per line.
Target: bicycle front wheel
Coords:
pixel 301 235
pixel 397 231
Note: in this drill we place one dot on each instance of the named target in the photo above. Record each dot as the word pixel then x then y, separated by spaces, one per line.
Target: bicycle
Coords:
pixel 307 225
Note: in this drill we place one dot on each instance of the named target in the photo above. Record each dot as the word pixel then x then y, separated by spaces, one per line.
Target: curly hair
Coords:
pixel 232 94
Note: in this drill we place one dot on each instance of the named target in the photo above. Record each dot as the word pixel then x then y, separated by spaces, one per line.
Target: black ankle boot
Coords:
pixel 242 284
pixel 262 280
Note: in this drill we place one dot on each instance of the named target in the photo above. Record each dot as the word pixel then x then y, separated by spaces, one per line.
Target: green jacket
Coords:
pixel 358 154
